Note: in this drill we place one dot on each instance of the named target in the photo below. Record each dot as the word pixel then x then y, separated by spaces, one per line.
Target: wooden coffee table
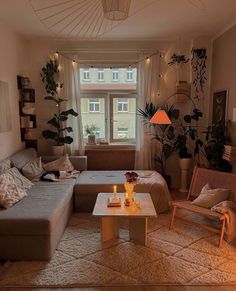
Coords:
pixel 137 216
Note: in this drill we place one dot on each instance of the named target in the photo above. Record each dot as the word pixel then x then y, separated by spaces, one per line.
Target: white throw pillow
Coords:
pixel 21 181
pixel 33 170
pixel 10 193
pixel 210 197
pixel 4 166
pixel 61 164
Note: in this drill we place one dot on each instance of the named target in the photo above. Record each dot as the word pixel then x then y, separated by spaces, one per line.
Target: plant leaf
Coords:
pixel 54 122
pixel 69 112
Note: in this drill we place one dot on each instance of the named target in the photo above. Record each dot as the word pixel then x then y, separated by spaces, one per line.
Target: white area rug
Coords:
pixel 186 255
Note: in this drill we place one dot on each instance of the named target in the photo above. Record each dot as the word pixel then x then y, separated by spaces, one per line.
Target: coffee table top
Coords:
pixel 146 208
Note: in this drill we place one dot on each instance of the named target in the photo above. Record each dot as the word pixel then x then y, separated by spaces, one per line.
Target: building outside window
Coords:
pixel 122 133
pixel 129 75
pixel 86 75
pixel 100 74
pixel 122 105
pixel 94 105
pixel 110 106
pixel 115 75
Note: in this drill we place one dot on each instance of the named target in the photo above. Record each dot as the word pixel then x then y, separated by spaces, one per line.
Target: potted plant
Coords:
pixel 187 130
pixel 49 75
pixel 164 134
pixel 216 139
pixel 90 130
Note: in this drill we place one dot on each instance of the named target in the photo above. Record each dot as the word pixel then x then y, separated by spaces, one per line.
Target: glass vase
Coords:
pixel 129 189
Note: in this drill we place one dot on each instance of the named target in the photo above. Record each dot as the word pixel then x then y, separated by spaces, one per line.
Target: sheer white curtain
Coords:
pixel 147 92
pixel 69 76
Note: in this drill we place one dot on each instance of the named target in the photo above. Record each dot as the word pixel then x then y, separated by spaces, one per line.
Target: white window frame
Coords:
pixel 86 75
pixel 94 103
pixel 111 100
pixel 116 72
pixel 122 103
pixel 99 73
pixel 128 73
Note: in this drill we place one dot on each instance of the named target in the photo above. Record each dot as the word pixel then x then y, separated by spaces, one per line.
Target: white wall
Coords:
pixel 12 63
pixel 224 67
pixel 41 50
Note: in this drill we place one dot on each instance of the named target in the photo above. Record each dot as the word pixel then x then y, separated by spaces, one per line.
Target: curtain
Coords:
pixel 69 76
pixel 147 92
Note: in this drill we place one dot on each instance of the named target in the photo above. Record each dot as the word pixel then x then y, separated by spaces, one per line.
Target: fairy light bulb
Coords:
pixel 147 60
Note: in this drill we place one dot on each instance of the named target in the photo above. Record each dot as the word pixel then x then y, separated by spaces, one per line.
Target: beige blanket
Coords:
pixel 228 208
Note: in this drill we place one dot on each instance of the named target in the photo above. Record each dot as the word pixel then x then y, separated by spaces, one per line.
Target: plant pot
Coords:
pixel 58 150
pixel 91 139
pixel 184 166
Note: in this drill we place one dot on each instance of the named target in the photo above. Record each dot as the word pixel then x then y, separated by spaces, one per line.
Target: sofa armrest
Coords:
pixel 79 162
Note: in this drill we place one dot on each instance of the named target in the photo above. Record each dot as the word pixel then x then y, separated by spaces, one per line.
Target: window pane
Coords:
pixel 93 113
pixel 124 118
pixel 112 79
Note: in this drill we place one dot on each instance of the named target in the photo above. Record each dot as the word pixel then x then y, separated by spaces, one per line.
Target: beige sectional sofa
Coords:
pixel 32 228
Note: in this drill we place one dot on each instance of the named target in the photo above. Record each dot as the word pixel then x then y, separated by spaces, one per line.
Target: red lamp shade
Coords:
pixel 160 117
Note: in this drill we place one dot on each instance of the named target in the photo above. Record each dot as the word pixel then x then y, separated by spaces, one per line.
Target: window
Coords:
pixel 94 105
pixel 107 107
pixel 123 126
pixel 122 105
pixel 122 133
pixel 86 75
pixel 100 74
pixel 129 75
pixel 115 75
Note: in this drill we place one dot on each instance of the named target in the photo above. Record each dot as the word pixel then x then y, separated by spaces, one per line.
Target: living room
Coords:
pixel 147 93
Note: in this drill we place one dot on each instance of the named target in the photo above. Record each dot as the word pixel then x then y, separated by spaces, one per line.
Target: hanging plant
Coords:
pixel 178 59
pixel 198 63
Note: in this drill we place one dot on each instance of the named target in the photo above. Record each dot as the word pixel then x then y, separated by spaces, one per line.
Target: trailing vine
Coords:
pixel 198 63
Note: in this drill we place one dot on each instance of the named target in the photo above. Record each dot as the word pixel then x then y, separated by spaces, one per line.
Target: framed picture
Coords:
pixel 219 110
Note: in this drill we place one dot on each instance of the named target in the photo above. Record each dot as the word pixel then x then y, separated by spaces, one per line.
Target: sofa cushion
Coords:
pixel 10 193
pixel 4 166
pixel 19 179
pixel 38 212
pixel 21 158
pixel 61 164
pixel 33 170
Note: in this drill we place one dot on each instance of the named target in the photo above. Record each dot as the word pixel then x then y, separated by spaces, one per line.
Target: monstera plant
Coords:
pixel 59 134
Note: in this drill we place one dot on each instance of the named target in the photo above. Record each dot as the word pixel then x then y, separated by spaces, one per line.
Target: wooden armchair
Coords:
pixel 200 178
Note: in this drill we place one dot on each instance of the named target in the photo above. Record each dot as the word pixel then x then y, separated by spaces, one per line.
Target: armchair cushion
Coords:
pixel 209 197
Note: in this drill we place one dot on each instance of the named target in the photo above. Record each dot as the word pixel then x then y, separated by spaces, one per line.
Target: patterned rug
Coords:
pixel 186 255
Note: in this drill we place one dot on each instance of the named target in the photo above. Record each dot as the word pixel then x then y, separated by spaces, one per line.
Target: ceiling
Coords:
pixel 148 19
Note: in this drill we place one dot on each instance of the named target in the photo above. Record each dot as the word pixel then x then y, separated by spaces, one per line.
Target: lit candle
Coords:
pixel 126 195
pixel 114 190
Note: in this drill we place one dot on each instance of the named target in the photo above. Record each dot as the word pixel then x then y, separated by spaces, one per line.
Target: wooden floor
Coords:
pixel 134 288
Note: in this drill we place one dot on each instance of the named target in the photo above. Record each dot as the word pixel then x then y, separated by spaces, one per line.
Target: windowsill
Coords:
pixel 111 146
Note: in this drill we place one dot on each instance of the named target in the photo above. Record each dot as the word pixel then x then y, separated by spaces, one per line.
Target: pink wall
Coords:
pixel 224 66
pixel 12 60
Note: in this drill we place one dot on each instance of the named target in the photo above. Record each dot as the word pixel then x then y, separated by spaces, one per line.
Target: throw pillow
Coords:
pixel 61 164
pixel 33 170
pixel 4 166
pixel 21 181
pixel 210 197
pixel 10 193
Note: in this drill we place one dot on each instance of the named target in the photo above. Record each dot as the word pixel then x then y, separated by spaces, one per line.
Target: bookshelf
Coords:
pixel 28 120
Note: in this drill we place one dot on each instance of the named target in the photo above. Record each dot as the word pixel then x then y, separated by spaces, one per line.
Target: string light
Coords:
pixel 57 53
